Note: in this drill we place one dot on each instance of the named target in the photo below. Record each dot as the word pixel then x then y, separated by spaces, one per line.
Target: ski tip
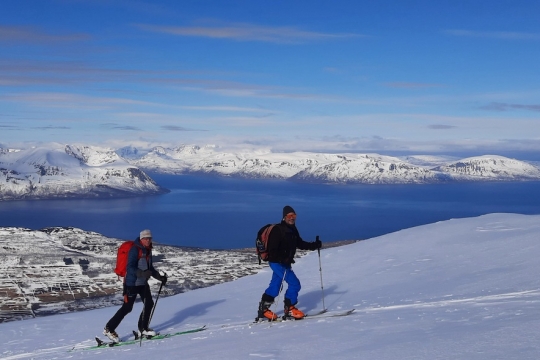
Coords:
pixel 349 312
pixel 317 313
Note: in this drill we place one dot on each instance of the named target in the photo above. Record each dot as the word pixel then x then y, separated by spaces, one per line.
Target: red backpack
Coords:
pixel 261 242
pixel 122 258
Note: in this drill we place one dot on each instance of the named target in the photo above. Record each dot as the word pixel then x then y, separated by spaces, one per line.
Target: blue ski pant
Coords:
pixel 284 273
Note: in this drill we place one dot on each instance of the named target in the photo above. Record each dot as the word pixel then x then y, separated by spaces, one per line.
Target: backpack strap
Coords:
pixel 266 232
pixel 139 255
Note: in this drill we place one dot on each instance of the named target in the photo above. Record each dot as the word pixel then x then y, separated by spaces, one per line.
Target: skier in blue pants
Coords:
pixel 283 241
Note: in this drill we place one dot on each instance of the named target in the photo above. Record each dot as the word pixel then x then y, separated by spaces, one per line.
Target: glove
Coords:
pixel 318 244
pixel 163 279
pixel 144 274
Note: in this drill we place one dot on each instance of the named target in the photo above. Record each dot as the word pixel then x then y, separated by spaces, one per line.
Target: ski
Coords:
pixel 321 314
pixel 326 313
pixel 104 344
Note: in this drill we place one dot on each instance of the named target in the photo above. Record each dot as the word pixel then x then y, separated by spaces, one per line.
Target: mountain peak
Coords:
pixel 56 171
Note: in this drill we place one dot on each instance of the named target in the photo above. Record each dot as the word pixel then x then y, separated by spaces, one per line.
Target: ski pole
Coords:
pixel 320 271
pixel 155 303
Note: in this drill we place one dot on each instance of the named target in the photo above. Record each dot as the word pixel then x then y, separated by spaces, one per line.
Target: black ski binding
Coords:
pixel 137 337
pixel 104 343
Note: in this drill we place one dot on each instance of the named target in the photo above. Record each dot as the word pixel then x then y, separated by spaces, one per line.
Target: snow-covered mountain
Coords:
pixel 463 289
pixel 300 166
pixel 369 169
pixel 328 168
pixel 490 167
pixel 61 171
pixel 54 170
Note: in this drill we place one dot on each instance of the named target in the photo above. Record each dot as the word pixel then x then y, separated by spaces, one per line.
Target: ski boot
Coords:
pixel 265 312
pixel 112 335
pixel 291 312
pixel 148 333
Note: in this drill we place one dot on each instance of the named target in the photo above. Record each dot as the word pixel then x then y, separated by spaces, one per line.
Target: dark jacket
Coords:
pixel 135 263
pixel 283 242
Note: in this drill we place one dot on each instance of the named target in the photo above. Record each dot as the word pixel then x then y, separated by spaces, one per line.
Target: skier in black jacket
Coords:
pixel 283 241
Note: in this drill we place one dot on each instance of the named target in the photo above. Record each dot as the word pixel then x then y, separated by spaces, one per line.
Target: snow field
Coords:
pixel 458 289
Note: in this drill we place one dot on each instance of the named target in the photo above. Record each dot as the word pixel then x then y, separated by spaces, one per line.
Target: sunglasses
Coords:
pixel 147 238
pixel 290 216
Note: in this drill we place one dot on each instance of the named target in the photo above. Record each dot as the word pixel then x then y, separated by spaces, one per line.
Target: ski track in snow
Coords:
pixel 268 355
pixel 529 296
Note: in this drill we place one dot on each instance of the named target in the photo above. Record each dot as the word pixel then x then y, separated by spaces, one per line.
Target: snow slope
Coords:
pixel 459 289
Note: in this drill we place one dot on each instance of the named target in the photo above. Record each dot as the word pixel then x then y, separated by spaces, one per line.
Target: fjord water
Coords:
pixel 225 213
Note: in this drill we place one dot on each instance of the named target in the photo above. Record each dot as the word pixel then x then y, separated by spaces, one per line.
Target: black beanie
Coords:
pixel 287 209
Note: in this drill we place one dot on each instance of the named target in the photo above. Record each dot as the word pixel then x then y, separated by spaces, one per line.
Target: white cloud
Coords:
pixel 504 35
pixel 27 34
pixel 249 32
pixel 74 101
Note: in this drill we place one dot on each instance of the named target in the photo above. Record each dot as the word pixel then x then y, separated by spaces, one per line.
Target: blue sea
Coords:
pixel 226 213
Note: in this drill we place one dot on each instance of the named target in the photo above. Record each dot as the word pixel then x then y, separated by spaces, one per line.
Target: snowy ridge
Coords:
pixel 369 169
pixel 328 168
pixel 57 171
pixel 491 167
pixel 463 289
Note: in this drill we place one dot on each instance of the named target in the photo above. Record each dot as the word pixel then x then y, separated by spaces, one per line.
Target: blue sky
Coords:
pixel 374 76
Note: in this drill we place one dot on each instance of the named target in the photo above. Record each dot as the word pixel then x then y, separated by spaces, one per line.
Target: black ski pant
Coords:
pixel 130 294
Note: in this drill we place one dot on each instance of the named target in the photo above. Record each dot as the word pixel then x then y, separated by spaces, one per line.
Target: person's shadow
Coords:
pixel 309 302
pixel 182 315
